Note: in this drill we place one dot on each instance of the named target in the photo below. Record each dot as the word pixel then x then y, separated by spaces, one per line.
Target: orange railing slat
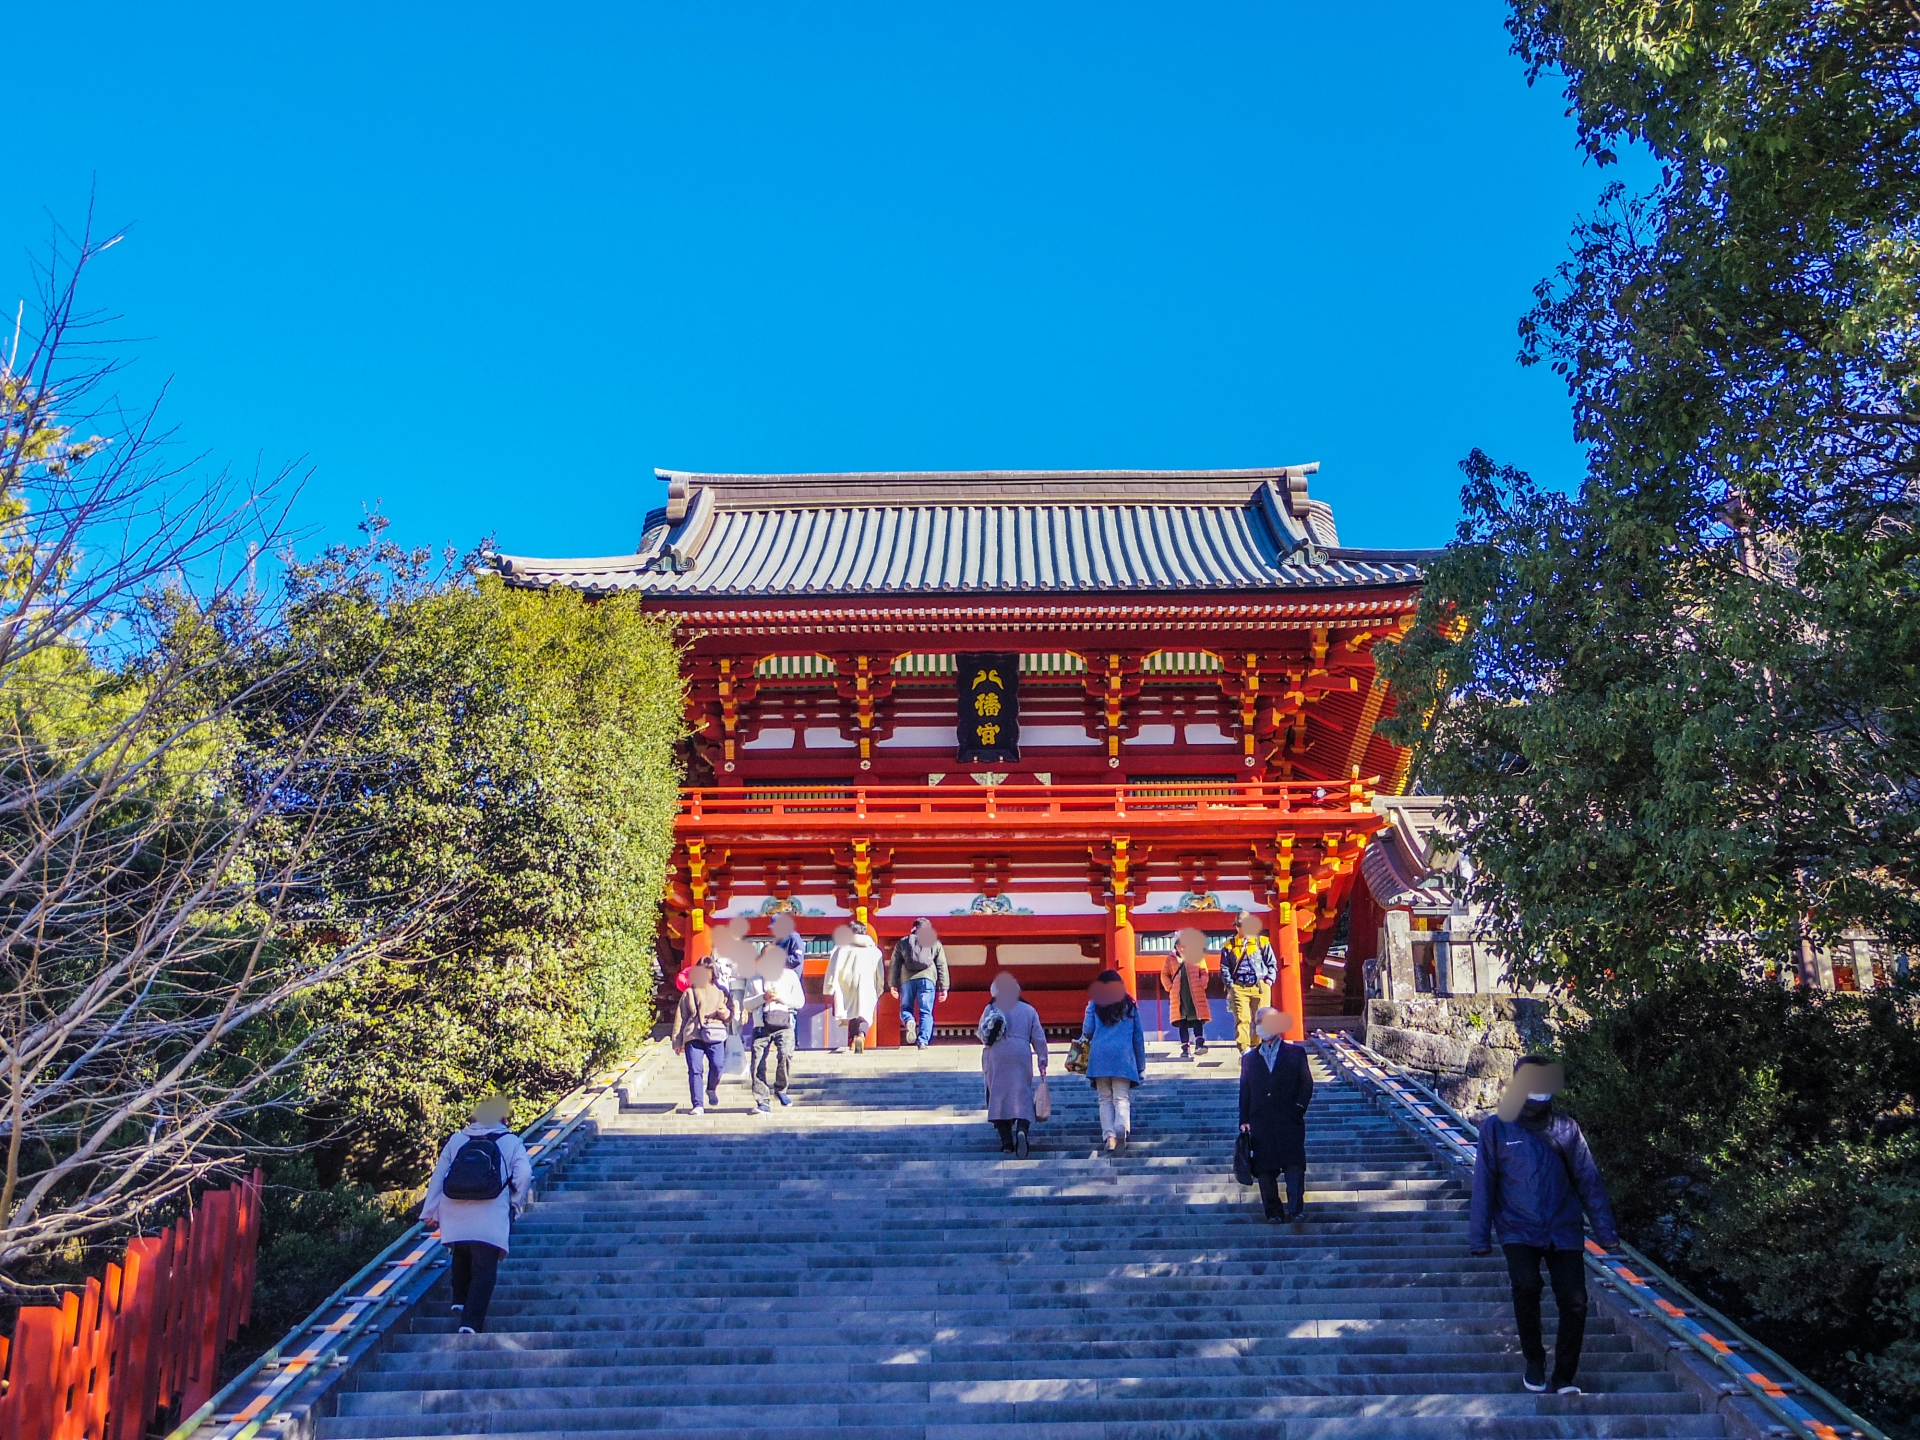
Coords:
pixel 145 1337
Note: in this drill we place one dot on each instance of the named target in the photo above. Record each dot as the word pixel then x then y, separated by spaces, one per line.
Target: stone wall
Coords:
pixel 1465 1046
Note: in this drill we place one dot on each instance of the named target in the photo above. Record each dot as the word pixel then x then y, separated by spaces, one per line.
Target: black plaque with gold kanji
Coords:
pixel 989 693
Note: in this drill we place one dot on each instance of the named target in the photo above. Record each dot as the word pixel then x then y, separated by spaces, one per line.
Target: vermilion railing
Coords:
pixel 146 1338
pixel 1182 800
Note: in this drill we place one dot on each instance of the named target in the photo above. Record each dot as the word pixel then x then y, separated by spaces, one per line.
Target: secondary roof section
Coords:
pixel 992 531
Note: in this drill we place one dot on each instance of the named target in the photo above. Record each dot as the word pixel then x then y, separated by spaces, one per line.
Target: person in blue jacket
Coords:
pixel 1533 1178
pixel 1116 1054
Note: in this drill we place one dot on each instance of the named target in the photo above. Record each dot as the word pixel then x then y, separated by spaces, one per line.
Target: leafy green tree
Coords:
pixel 514 755
pixel 1765 1140
pixel 1680 705
pixel 145 974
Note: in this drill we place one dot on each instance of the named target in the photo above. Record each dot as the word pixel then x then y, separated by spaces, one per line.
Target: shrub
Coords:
pixel 1765 1142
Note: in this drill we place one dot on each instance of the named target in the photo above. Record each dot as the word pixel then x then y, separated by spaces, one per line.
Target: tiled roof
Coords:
pixel 725 536
pixel 1402 865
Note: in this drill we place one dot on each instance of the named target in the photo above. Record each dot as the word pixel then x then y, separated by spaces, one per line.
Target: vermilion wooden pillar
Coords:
pixel 699 933
pixel 1120 946
pixel 1120 942
pixel 1286 949
pixel 699 937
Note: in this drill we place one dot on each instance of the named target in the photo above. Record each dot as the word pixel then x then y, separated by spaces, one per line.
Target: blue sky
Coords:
pixel 487 266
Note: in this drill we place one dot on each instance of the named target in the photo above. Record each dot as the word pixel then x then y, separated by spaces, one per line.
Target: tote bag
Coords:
pixel 1042 1100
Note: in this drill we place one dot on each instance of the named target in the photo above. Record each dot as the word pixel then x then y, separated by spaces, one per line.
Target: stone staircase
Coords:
pixel 868 1264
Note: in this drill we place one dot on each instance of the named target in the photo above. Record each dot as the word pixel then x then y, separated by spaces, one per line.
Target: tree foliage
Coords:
pixel 1766 1141
pixel 515 761
pixel 1681 703
pixel 147 964
pixel 287 871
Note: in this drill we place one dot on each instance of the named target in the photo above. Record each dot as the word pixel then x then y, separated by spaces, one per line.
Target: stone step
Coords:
pixel 1371 1415
pixel 867 1263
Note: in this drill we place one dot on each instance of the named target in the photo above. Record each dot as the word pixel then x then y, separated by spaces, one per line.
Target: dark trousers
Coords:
pixel 856 1029
pixel 1567 1269
pixel 1270 1188
pixel 476 1265
pixel 710 1055
pixel 1008 1129
pixel 1191 1030
pixel 775 1046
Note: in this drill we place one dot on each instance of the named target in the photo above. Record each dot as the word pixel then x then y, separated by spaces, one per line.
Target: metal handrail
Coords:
pixel 1762 1375
pixel 357 1308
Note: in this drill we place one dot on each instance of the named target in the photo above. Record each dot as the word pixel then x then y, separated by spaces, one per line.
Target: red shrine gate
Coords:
pixel 1180 719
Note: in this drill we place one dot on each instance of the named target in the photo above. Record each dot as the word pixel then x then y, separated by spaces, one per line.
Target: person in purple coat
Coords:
pixel 1532 1179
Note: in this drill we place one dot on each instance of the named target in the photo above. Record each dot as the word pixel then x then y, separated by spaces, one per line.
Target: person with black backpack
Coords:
pixel 1533 1178
pixel 479 1187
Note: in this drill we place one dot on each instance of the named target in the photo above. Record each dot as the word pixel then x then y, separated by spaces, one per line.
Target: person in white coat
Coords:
pixel 856 974
pixel 477 1231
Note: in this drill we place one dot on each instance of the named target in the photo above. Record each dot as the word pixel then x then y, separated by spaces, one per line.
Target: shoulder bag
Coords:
pixel 1077 1055
pixel 1243 1158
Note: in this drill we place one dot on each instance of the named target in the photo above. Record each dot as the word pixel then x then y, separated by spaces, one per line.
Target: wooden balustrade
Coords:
pixel 1181 805
pixel 145 1338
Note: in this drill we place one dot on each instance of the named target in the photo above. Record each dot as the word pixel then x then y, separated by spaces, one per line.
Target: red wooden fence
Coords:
pixel 103 1363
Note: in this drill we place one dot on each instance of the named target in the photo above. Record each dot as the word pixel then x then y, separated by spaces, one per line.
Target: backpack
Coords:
pixel 477 1171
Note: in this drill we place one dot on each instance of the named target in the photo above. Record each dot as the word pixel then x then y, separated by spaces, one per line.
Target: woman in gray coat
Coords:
pixel 1012 1039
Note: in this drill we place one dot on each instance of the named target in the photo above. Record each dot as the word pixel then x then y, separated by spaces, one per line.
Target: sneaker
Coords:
pixel 1200 1048
pixel 1186 1052
pixel 784 1099
pixel 456 1308
pixel 763 1109
pixel 698 1110
pixel 1568 1390
pixel 467 1330
pixel 1020 1145
pixel 1294 1212
pixel 1536 1377
pixel 1113 1144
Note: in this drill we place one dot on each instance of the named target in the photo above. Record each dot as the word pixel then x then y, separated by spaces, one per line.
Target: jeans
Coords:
pixel 1270 1189
pixel 1245 999
pixel 916 1008
pixel 1116 1106
pixel 1190 1031
pixel 775 1045
pixel 1567 1269
pixel 476 1265
pixel 710 1055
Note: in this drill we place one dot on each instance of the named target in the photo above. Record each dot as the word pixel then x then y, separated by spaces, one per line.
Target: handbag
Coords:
pixel 1042 1100
pixel 1243 1159
pixel 1078 1055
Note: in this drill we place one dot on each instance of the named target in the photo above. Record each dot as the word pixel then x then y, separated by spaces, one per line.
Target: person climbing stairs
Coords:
pixel 868 1263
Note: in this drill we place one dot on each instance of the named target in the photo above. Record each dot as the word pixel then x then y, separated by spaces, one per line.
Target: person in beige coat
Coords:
pixel 700 1027
pixel 1184 978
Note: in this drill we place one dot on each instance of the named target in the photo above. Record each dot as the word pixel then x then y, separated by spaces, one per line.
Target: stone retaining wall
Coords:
pixel 1465 1046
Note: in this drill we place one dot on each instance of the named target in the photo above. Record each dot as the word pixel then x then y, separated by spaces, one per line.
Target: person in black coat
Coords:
pixel 1276 1086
